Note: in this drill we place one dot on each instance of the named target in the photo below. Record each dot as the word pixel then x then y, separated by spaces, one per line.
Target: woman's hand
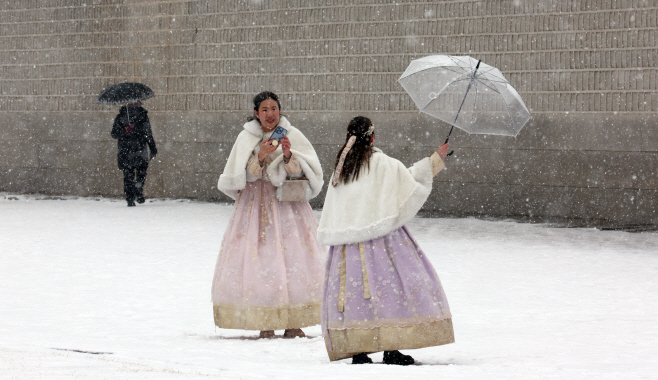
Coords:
pixel 285 146
pixel 266 148
pixel 442 151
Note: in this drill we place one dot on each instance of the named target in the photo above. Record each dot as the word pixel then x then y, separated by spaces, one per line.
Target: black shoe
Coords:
pixel 131 203
pixel 140 200
pixel 395 357
pixel 361 358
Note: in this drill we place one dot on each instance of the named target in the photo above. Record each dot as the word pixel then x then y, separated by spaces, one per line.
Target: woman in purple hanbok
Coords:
pixel 269 270
pixel 381 293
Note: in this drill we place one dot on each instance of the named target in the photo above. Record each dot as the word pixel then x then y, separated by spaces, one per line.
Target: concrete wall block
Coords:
pixel 547 168
pixel 469 165
pixel 469 199
pixel 172 127
pixel 219 128
pixel 18 154
pixel 632 206
pixel 175 156
pixel 594 203
pixel 327 156
pixel 73 125
pixel 583 132
pixel 57 181
pixel 105 183
pixel 201 185
pixel 210 157
pixel 18 180
pixel 47 154
pixel 634 170
pixel 167 184
pixel 585 169
pixel 105 157
pixel 647 123
pixel 538 201
pixel 207 188
pixel 18 126
pixel 77 155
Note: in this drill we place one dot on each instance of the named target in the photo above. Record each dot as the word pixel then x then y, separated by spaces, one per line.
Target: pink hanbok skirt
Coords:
pixel 383 295
pixel 270 267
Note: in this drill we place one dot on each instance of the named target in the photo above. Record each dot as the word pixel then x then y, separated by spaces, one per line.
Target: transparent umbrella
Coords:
pixel 465 93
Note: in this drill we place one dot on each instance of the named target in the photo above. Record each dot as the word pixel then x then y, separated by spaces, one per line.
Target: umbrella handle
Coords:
pixel 460 107
pixel 448 138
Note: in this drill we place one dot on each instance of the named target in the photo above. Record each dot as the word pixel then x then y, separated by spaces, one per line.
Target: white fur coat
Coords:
pixel 234 177
pixel 383 199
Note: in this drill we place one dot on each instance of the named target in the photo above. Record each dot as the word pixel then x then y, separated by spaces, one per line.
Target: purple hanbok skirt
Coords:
pixel 383 295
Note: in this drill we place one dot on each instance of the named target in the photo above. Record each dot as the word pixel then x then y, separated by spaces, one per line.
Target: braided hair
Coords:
pixel 359 155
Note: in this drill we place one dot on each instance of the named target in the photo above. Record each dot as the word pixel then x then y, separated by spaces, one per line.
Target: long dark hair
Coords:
pixel 263 96
pixel 361 151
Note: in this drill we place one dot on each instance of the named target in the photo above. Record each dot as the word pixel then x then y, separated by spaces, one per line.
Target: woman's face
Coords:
pixel 268 114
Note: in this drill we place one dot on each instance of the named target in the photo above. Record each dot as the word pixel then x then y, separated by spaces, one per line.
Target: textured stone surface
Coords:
pixel 586 69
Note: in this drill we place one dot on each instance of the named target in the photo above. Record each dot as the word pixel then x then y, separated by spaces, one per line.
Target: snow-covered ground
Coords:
pixel 131 287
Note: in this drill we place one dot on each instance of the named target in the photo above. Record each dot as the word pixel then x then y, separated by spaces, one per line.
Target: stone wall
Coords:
pixel 586 69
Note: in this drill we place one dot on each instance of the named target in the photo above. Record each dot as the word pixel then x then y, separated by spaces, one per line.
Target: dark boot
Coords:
pixel 129 186
pixel 266 334
pixel 361 358
pixel 395 357
pixel 140 174
pixel 137 192
pixel 293 333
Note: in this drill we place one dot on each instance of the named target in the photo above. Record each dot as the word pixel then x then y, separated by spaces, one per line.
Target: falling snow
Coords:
pixel 93 289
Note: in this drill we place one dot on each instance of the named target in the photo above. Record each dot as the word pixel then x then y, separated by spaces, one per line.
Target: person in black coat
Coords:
pixel 133 131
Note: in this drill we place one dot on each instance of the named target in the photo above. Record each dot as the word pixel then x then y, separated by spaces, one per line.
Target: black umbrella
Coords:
pixel 124 93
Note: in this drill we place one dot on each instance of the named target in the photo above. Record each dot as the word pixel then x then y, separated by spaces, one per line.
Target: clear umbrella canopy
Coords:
pixel 466 93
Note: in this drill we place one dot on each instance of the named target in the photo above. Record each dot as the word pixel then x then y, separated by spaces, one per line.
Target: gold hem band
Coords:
pixel 343 274
pixel 364 271
pixel 379 322
pixel 245 317
pixel 349 342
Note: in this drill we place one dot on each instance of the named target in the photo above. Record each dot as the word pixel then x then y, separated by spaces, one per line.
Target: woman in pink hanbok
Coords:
pixel 270 266
pixel 381 293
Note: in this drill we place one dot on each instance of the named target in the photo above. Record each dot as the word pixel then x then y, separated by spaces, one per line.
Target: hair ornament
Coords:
pixel 339 167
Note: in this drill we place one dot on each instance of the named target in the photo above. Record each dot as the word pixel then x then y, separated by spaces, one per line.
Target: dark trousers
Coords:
pixel 133 181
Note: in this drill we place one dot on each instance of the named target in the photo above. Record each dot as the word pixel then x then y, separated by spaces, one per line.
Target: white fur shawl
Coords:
pixel 383 199
pixel 234 177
